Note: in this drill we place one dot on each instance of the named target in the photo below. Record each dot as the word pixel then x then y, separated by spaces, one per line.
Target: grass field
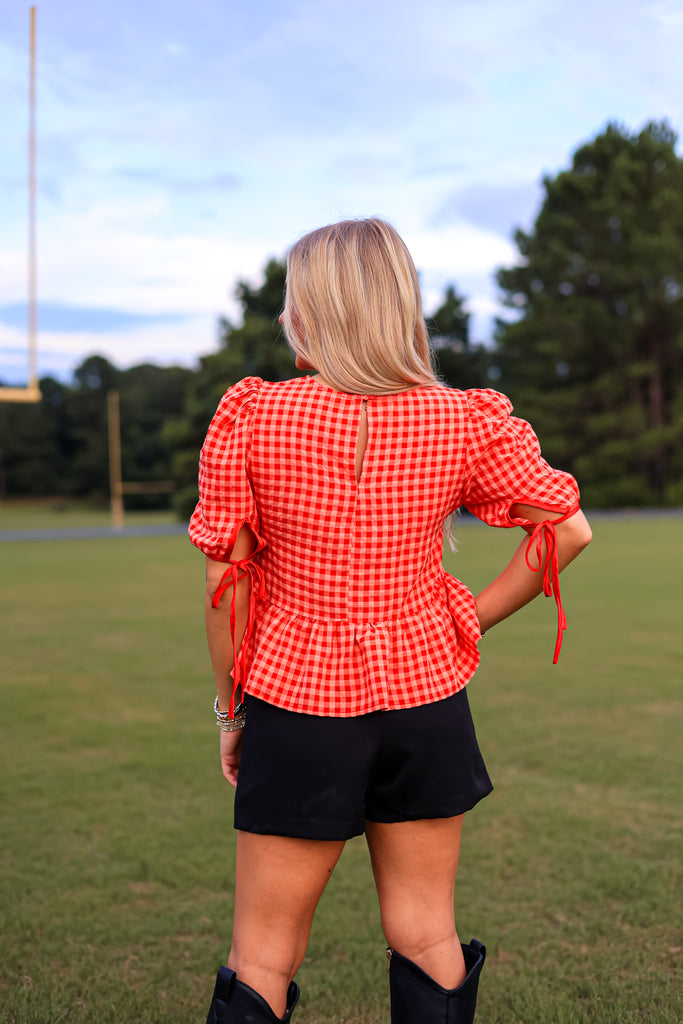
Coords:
pixel 61 513
pixel 117 843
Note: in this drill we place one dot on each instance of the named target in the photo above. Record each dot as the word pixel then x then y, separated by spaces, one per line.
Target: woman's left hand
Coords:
pixel 231 751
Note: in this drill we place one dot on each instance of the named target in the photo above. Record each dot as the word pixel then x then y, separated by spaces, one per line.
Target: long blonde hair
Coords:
pixel 353 308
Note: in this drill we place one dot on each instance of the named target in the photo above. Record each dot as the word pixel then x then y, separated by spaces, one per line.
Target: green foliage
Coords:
pixel 60 445
pixel 592 355
pixel 256 348
pixel 595 357
pixel 117 851
pixel 460 364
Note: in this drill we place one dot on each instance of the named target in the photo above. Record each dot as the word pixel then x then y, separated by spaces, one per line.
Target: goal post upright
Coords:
pixel 115 484
pixel 32 240
pixel 31 392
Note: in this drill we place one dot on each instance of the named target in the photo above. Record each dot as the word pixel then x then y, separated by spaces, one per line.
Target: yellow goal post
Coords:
pixel 31 391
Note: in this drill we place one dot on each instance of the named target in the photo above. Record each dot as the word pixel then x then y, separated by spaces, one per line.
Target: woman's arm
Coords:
pixel 220 641
pixel 518 584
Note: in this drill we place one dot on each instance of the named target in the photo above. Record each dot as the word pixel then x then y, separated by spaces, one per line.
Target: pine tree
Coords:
pixel 255 348
pixel 460 363
pixel 594 358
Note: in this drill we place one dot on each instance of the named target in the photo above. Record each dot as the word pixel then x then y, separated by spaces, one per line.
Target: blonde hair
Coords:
pixel 353 308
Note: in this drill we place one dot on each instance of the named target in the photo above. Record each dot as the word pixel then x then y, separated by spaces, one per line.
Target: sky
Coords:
pixel 182 145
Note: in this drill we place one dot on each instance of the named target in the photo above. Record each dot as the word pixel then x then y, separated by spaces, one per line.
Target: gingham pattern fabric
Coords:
pixel 358 613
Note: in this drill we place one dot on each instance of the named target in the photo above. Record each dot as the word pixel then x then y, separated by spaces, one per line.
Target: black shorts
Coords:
pixel 321 778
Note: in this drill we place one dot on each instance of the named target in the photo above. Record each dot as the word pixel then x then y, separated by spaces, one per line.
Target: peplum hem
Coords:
pixel 280 458
pixel 405 662
pixel 463 610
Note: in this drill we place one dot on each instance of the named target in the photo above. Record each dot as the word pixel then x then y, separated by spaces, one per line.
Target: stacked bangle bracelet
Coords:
pixel 227 724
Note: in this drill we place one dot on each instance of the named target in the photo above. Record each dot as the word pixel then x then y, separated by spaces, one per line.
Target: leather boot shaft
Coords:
pixel 236 1003
pixel 418 999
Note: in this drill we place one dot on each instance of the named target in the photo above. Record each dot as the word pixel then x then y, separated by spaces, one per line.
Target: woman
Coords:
pixel 322 506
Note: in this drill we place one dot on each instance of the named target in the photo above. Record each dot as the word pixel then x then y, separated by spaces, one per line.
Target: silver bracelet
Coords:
pixel 230 724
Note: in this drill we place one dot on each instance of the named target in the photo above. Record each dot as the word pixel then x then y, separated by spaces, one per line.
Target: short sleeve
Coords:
pixel 505 465
pixel 226 499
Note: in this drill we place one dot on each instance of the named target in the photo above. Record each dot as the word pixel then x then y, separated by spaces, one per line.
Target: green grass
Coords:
pixel 117 844
pixel 62 514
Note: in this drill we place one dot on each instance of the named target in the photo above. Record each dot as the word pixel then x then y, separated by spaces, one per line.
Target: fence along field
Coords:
pixel 117 842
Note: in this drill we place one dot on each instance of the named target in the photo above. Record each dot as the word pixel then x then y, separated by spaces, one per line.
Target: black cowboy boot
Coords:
pixel 417 999
pixel 235 1003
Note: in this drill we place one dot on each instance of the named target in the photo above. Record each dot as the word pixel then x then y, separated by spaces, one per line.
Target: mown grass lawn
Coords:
pixel 62 513
pixel 117 843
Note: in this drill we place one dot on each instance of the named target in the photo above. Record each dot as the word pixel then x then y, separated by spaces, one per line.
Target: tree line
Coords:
pixel 590 350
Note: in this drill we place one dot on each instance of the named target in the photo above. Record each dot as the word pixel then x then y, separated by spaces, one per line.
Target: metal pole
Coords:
pixel 30 393
pixel 115 485
pixel 32 247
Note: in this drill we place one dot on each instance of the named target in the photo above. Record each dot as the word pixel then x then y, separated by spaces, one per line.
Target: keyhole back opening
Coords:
pixel 361 440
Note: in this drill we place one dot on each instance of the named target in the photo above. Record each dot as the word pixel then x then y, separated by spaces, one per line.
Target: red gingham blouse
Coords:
pixel 351 610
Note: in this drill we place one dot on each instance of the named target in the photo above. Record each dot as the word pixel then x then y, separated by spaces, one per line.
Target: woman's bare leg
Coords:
pixel 415 864
pixel 279 881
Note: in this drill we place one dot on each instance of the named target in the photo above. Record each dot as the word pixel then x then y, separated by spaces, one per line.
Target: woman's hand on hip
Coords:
pixel 231 751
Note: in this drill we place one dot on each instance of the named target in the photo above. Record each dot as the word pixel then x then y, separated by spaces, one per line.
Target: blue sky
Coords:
pixel 182 145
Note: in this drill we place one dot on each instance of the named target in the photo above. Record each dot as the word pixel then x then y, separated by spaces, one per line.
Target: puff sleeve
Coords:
pixel 505 467
pixel 226 499
pixel 226 504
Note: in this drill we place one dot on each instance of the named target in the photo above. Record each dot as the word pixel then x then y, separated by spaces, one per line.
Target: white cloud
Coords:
pixel 180 146
pixel 667 15
pixel 103 260
pixel 13 355
pixel 458 250
pixel 58 353
pixel 13 269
